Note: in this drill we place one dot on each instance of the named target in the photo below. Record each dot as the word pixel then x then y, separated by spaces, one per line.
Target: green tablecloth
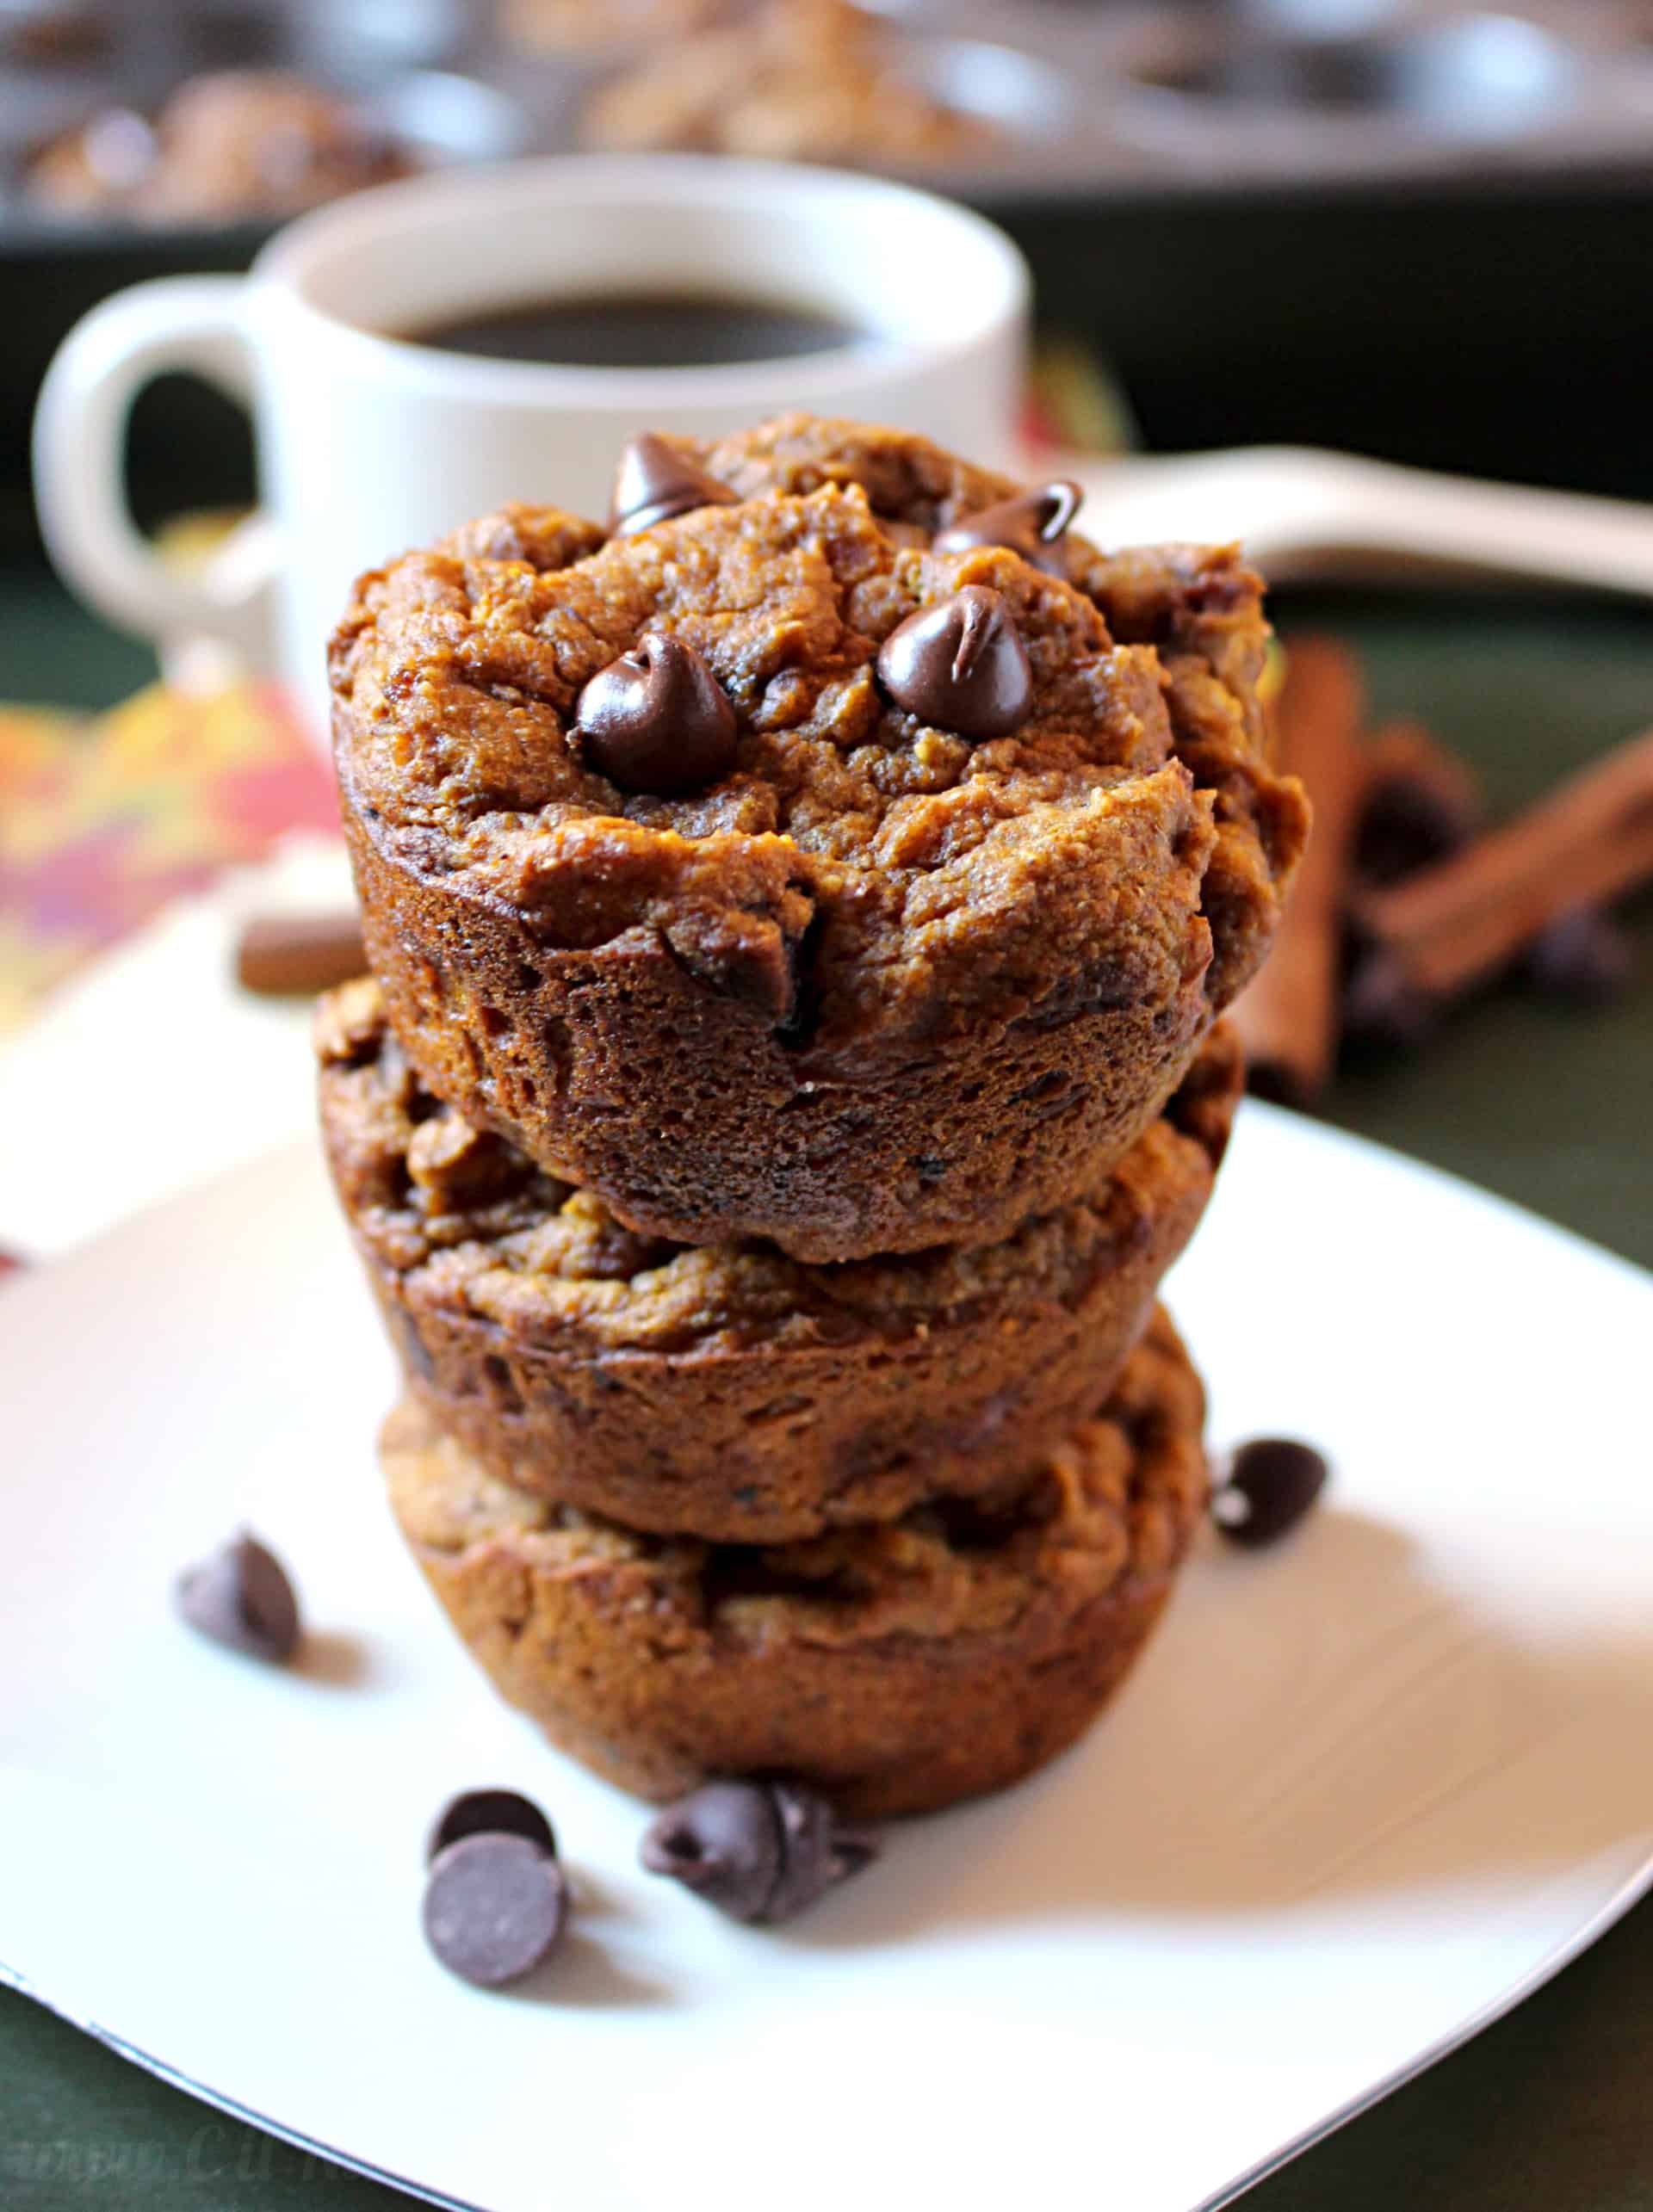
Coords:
pixel 1552 2110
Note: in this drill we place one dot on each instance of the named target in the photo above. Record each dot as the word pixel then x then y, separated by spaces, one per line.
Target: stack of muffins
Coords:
pixel 799 914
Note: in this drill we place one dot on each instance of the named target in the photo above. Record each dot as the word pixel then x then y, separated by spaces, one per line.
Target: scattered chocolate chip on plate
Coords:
pixel 759 1851
pixel 1270 1484
pixel 494 1907
pixel 242 1596
pixel 490 1812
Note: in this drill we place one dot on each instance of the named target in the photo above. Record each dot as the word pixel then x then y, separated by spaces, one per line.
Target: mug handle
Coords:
pixel 195 324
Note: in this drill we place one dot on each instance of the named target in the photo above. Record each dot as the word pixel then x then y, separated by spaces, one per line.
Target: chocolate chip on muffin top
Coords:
pixel 471 673
pixel 767 865
pixel 785 562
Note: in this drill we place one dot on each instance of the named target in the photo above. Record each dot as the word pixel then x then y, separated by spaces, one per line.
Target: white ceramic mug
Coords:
pixel 368 444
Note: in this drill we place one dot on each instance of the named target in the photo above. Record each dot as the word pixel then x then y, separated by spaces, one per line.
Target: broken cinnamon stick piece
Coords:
pixel 1453 924
pixel 1287 1018
pixel 295 955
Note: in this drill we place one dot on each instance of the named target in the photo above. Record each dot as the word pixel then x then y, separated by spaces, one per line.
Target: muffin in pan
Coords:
pixel 730 1392
pixel 785 866
pixel 234 145
pixel 899 1666
pixel 791 80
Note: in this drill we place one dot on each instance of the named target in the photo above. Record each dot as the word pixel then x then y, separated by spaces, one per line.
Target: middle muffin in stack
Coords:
pixel 798 920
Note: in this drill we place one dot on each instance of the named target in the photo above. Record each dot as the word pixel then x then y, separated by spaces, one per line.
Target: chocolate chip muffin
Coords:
pixel 230 145
pixel 792 80
pixel 830 851
pixel 728 1391
pixel 899 1667
pixel 584 26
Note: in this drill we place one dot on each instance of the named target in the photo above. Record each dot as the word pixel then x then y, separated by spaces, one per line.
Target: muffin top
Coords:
pixel 703 721
pixel 473 1227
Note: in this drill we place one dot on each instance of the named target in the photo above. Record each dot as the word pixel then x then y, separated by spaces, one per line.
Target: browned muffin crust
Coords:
pixel 876 987
pixel 898 1667
pixel 1198 606
pixel 730 1392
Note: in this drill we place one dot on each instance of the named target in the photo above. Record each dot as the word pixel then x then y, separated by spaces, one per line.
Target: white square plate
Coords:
pixel 1362 1794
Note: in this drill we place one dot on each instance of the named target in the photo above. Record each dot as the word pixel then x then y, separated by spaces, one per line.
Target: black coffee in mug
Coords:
pixel 654 330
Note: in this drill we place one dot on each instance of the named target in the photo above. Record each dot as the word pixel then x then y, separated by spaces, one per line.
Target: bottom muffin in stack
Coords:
pixel 893 1528
pixel 898 1666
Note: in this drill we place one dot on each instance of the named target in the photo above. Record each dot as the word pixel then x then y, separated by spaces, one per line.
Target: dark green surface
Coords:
pixel 1550 1106
pixel 1551 2110
pixel 52 655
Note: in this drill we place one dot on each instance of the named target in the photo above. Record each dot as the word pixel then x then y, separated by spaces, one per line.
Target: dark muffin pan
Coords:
pixel 1407 97
pixel 386 59
pixel 1324 220
pixel 1087 101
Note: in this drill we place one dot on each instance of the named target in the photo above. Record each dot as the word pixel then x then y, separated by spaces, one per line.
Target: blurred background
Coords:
pixel 1416 230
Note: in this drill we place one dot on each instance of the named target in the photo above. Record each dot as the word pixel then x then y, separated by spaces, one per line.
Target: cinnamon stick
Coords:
pixel 295 955
pixel 1288 1017
pixel 1591 841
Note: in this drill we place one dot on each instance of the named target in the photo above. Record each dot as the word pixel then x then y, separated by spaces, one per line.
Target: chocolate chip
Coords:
pixel 1271 1484
pixel 490 1812
pixel 722 1841
pixel 654 482
pixel 961 666
pixel 758 1851
pixel 656 719
pixel 816 1853
pixel 1032 523
pixel 241 1597
pixel 494 1905
pixel 1584 957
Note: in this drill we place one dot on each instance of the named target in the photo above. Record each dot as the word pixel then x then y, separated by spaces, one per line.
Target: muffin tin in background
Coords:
pixel 1086 100
pixel 1387 204
pixel 387 59
pixel 1404 93
pixel 1093 103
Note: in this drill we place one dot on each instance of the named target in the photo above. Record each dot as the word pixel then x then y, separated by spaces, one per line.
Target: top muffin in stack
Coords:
pixel 835 850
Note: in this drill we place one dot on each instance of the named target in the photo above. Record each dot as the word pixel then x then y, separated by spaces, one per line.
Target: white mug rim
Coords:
pixel 290 261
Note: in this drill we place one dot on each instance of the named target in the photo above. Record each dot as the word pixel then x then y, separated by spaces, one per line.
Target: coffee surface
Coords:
pixel 642 331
